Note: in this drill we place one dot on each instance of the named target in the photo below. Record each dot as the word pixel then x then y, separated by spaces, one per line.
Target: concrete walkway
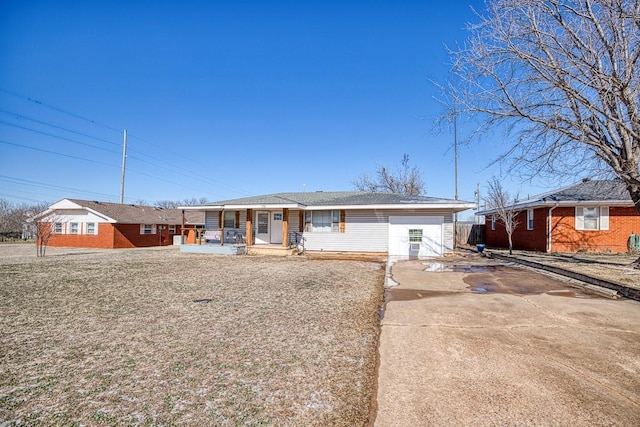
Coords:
pixel 468 341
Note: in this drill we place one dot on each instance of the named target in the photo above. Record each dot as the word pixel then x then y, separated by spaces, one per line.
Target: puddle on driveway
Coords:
pixel 515 281
pixel 439 267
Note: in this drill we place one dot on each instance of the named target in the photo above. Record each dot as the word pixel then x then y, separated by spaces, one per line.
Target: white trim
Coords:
pixel 569 203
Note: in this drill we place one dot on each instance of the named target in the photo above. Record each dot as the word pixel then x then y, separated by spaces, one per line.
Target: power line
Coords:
pixel 58 127
pixel 60 110
pixel 172 168
pixel 56 153
pixel 59 137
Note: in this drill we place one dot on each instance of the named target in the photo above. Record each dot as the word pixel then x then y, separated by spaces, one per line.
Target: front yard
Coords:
pixel 152 337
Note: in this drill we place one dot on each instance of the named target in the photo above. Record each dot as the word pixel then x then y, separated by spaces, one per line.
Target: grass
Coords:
pixel 116 338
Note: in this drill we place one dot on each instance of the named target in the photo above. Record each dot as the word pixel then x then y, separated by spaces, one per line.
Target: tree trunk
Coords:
pixel 510 245
pixel 634 192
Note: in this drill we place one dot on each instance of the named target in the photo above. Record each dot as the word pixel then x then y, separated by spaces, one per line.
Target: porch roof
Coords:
pixel 336 200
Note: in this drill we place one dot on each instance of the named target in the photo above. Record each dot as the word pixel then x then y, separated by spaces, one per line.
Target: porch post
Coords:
pixel 221 226
pixel 249 227
pixel 285 227
pixel 182 239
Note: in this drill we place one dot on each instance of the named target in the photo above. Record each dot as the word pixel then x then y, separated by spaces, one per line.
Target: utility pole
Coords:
pixel 478 202
pixel 455 172
pixel 124 164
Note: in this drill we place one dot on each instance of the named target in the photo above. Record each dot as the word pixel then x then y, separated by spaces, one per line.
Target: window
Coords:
pixel 322 221
pixel 415 235
pixel 147 229
pixel 592 218
pixel 57 227
pixel 529 219
pixel 73 228
pixel 493 223
pixel 229 219
pixel 91 228
pixel 172 229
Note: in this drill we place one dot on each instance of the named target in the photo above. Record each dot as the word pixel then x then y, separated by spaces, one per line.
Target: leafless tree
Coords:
pixel 564 77
pixel 14 215
pixel 501 201
pixel 45 228
pixel 406 180
pixel 173 204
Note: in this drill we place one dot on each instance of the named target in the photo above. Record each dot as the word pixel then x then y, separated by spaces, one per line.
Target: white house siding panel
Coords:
pixel 365 231
pixel 368 231
pixel 294 220
pixel 211 220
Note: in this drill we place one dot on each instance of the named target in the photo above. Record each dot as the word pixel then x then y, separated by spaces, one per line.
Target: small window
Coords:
pixel 91 228
pixel 277 217
pixel 229 219
pixel 57 227
pixel 73 228
pixel 172 229
pixel 415 235
pixel 147 229
pixel 529 219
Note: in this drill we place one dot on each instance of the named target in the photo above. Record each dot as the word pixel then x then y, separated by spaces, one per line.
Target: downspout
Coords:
pixel 550 227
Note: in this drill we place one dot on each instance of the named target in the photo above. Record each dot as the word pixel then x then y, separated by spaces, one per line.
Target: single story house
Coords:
pixel 345 221
pixel 93 224
pixel 593 215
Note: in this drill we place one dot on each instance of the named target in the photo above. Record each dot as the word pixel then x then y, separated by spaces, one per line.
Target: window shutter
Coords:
pixel 301 221
pixel 579 219
pixel 342 220
pixel 220 220
pixel 141 228
pixel 237 223
pixel 153 229
pixel 604 217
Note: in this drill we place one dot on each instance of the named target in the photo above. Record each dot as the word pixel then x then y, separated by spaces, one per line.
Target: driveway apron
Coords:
pixel 470 341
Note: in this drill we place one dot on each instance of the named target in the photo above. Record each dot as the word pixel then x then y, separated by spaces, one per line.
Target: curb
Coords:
pixel 619 288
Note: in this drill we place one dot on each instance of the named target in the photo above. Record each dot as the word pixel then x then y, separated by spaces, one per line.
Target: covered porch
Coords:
pixel 264 230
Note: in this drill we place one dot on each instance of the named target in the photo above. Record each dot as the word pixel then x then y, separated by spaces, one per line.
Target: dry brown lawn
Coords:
pixel 153 337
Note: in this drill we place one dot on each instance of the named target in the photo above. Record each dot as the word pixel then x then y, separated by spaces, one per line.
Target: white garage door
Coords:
pixel 415 235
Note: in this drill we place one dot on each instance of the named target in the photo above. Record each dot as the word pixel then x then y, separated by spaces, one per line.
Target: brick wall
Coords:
pixel 623 221
pixel 523 239
pixel 114 236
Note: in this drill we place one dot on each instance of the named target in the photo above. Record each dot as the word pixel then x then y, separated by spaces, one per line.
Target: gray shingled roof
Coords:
pixel 335 198
pixel 589 190
pixel 140 214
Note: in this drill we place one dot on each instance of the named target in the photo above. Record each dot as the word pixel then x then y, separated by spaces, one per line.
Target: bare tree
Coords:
pixel 499 199
pixel 173 204
pixel 45 228
pixel 564 76
pixel 406 180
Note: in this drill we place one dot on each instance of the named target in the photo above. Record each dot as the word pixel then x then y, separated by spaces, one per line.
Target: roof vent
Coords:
pixel 586 179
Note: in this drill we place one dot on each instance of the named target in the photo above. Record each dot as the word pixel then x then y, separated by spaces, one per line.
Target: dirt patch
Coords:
pixel 152 337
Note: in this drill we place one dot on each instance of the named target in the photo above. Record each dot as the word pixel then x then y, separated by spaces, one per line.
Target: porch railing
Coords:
pixel 296 239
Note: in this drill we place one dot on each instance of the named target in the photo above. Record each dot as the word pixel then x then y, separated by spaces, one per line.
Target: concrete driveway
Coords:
pixel 470 341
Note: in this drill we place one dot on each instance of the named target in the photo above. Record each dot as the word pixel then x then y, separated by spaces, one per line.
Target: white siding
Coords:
pixel 211 220
pixel 368 231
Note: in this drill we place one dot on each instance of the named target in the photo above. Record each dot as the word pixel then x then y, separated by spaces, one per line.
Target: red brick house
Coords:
pixel 92 224
pixel 594 216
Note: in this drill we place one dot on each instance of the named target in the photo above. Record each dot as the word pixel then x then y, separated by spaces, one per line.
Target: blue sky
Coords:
pixel 227 99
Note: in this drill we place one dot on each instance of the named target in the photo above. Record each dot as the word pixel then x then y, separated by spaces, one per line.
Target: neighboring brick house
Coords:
pixel 594 216
pixel 92 224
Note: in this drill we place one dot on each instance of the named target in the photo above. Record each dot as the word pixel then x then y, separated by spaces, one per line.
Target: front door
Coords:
pixel 276 227
pixel 262 227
